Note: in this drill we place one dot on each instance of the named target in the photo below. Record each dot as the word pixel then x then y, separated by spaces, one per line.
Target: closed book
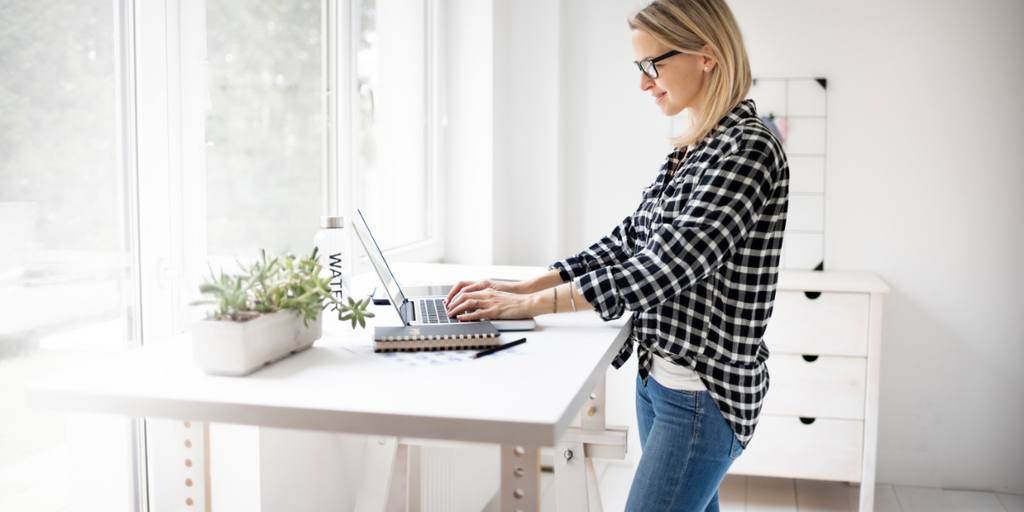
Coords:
pixel 420 338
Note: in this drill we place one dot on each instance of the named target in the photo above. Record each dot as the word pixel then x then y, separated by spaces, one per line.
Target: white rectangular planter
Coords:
pixel 222 347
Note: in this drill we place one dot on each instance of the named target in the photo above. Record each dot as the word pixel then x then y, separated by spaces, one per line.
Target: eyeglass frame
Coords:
pixel 654 63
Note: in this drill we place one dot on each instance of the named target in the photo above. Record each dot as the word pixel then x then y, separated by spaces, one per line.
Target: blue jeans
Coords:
pixel 687 448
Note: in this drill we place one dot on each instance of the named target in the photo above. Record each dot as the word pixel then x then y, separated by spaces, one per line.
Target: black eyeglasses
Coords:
pixel 649 66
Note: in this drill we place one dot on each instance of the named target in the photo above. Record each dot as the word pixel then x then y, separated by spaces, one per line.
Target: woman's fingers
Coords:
pixel 463 303
pixel 474 314
pixel 464 287
pixel 462 295
pixel 455 290
pixel 474 306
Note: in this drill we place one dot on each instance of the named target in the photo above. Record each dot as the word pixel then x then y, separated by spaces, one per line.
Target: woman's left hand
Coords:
pixel 489 303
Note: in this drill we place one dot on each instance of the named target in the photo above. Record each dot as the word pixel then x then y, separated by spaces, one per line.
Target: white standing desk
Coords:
pixel 523 402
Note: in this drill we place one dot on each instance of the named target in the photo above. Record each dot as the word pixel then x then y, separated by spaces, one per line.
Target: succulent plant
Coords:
pixel 274 283
pixel 355 311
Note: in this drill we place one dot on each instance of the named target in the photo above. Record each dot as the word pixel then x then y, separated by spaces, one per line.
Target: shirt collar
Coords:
pixel 744 110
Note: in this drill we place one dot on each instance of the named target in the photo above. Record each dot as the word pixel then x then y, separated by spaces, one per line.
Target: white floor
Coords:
pixel 760 494
pixel 40 484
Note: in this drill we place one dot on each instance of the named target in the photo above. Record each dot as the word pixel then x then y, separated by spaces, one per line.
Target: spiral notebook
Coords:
pixel 422 338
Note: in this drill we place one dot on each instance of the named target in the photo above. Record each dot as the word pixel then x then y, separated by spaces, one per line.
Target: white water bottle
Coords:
pixel 335 255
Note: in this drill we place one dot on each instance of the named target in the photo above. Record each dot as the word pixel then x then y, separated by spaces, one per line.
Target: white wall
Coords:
pixel 501 131
pixel 468 125
pixel 526 124
pixel 923 183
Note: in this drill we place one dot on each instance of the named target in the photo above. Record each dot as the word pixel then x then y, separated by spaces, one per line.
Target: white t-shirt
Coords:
pixel 673 376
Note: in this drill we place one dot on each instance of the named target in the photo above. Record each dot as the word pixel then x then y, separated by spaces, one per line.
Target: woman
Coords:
pixel 696 263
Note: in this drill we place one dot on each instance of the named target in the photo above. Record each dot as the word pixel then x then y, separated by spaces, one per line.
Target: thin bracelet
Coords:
pixel 555 289
pixel 572 298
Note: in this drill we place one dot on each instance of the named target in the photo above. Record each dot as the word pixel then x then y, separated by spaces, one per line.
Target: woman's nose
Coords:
pixel 645 82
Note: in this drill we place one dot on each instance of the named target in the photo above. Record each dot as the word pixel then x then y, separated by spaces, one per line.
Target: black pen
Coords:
pixel 499 347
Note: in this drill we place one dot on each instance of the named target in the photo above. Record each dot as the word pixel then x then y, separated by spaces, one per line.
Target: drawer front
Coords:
pixel 785 447
pixel 825 387
pixel 833 324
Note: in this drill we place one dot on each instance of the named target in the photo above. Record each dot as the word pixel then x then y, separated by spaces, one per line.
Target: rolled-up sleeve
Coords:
pixel 610 250
pixel 723 206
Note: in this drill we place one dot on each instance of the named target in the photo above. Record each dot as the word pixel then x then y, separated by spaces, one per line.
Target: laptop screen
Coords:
pixel 379 263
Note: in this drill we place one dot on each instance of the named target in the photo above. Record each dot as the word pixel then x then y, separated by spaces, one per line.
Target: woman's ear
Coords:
pixel 709 62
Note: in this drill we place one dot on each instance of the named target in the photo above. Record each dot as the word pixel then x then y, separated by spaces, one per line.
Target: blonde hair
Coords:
pixel 686 26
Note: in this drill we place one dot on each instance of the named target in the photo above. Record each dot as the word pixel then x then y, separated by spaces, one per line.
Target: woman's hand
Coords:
pixel 501 299
pixel 473 286
pixel 490 304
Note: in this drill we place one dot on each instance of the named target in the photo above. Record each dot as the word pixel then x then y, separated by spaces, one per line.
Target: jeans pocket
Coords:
pixel 737 449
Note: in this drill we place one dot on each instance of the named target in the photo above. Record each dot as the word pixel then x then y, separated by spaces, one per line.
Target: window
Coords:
pixel 67 287
pixel 264 126
pixel 267 174
pixel 391 162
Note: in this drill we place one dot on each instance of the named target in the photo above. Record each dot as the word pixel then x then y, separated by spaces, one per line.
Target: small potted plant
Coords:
pixel 270 311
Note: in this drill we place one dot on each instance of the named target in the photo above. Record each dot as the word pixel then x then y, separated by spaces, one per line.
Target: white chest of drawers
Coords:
pixel 820 417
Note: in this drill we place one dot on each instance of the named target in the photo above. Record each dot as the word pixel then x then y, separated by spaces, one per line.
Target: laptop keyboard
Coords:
pixel 432 311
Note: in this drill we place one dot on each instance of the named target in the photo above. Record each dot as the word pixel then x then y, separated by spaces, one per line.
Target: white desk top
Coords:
pixel 526 399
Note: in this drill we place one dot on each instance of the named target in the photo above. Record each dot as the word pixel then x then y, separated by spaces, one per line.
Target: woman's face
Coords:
pixel 682 79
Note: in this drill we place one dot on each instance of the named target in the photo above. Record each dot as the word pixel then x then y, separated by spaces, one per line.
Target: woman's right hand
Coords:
pixel 475 286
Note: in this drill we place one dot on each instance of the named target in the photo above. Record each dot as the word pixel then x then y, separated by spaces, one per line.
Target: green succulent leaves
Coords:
pixel 355 311
pixel 274 283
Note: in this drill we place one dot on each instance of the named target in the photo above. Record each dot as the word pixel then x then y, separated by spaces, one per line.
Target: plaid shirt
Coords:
pixel 697 263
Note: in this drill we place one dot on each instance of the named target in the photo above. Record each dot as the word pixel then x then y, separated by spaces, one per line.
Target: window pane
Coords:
pixel 392 171
pixel 66 292
pixel 264 126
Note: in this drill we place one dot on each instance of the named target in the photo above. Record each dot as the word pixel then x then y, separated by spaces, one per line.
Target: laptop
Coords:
pixel 426 309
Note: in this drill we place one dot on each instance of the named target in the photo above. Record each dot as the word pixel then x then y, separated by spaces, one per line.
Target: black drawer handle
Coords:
pixel 806 421
pixel 814 295
pixel 810 358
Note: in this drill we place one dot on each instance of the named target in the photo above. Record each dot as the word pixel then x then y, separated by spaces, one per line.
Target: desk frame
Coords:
pixel 575 479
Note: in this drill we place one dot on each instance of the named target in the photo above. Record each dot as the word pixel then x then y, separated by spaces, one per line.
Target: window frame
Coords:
pixel 128 170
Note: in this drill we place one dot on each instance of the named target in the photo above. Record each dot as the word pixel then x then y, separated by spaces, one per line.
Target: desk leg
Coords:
pixel 575 479
pixel 520 478
pixel 380 490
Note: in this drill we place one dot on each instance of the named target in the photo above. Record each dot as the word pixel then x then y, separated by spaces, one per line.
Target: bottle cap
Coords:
pixel 332 222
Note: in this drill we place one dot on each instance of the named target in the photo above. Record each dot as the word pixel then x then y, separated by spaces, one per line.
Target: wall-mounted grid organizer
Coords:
pixel 797 107
pixel 796 110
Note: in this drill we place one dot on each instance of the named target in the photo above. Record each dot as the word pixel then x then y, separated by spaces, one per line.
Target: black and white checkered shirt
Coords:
pixel 697 263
